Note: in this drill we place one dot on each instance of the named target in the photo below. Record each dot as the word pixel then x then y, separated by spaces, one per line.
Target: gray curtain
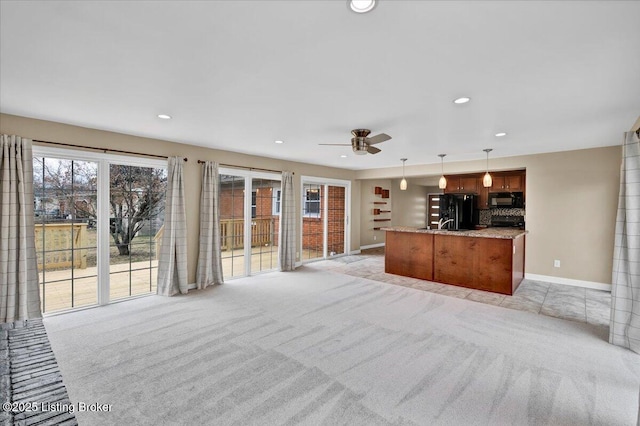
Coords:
pixel 287 233
pixel 19 292
pixel 172 262
pixel 209 258
pixel 624 329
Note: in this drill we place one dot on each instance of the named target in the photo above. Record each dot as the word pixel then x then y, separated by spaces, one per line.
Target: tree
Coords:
pixel 136 194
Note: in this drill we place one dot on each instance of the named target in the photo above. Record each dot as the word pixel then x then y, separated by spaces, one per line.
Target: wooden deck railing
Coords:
pixel 232 233
pixel 63 244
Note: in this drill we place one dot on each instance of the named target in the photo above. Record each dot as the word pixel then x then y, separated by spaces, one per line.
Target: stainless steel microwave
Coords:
pixel 506 200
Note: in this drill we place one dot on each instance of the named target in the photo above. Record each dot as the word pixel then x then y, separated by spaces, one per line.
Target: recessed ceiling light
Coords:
pixel 501 134
pixel 462 100
pixel 343 156
pixel 279 141
pixel 362 6
pixel 164 116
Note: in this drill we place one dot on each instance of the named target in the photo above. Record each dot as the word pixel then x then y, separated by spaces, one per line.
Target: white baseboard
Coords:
pixel 568 281
pixel 370 246
pixel 192 286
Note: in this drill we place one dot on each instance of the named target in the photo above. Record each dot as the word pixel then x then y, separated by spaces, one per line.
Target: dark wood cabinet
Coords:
pixel 510 181
pixel 484 263
pixel 409 254
pixel 507 182
pixel 461 183
pixel 490 264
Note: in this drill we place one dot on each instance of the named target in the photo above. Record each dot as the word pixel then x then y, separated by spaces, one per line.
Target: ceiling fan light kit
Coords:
pixel 361 143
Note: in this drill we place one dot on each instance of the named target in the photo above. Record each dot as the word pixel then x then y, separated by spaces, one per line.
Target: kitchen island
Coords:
pixel 490 259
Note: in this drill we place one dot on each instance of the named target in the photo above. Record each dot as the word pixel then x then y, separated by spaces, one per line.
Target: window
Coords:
pixel 254 204
pixel 276 201
pixel 312 202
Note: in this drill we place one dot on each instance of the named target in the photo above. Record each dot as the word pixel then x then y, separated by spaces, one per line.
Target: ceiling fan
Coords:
pixel 361 144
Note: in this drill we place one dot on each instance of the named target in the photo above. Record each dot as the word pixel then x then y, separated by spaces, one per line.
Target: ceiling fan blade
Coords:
pixel 378 138
pixel 336 144
pixel 373 150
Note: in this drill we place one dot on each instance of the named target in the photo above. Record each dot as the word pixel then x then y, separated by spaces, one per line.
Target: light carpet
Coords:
pixel 316 347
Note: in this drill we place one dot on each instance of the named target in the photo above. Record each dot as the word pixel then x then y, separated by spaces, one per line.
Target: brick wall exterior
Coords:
pixel 312 228
pixel 232 206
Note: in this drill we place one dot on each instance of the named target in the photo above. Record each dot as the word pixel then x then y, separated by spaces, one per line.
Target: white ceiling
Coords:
pixel 237 75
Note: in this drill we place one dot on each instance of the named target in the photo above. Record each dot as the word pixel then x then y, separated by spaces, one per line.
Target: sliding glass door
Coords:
pixel 265 219
pixel 136 215
pixel 65 196
pixel 248 222
pixel 98 226
pixel 324 217
pixel 232 203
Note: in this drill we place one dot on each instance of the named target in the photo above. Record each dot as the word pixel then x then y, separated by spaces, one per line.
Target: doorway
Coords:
pixel 325 218
pixel 249 220
pixel 98 222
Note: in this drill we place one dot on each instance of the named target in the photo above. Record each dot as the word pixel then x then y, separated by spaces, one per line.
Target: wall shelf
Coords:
pixel 377 206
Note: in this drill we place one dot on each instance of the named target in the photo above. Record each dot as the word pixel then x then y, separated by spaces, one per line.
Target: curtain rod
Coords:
pixel 245 167
pixel 105 150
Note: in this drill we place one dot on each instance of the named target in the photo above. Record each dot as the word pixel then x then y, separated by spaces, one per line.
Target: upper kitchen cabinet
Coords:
pixel 507 182
pixel 461 183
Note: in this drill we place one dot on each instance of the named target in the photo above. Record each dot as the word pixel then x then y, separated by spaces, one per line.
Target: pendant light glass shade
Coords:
pixel 403 182
pixel 487 181
pixel 442 183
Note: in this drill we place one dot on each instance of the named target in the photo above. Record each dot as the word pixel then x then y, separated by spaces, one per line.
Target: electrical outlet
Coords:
pixel 556 263
pixel 375 237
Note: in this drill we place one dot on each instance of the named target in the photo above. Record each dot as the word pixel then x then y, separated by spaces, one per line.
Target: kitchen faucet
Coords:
pixel 441 223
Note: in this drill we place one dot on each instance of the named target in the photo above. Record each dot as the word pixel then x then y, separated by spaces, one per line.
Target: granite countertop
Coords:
pixel 505 233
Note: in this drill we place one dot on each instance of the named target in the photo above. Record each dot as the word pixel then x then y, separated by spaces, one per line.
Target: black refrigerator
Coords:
pixel 461 208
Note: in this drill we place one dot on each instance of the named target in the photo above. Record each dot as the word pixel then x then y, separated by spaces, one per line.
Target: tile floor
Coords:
pixel 560 301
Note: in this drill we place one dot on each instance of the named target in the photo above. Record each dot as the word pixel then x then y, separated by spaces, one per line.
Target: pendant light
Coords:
pixel 403 182
pixel 486 180
pixel 442 183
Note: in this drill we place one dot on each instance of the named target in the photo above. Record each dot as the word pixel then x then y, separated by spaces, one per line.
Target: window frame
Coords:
pixel 104 160
pixel 306 201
